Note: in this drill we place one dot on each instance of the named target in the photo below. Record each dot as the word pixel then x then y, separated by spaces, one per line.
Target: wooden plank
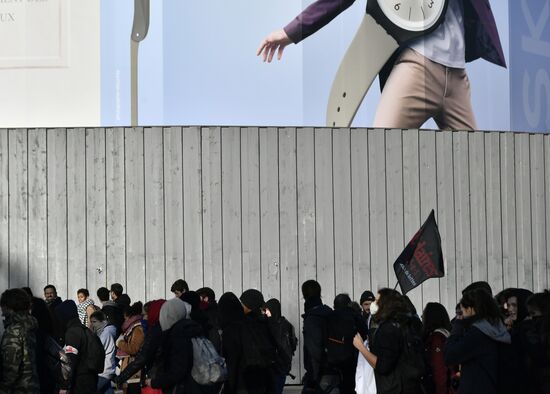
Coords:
pixel 411 197
pixel 76 212
pixel 494 217
pixel 377 209
pixel 343 246
pixel 96 245
pixel 395 205
pixel 38 210
pixel 250 207
pixel 523 212
pixel 4 210
pixel 18 200
pixel 508 199
pixel 324 213
pixel 57 211
pixel 290 286
pixel 538 212
pixel 115 206
pixel 446 217
pixel 173 205
pixel 477 170
pixel 211 205
pixel 462 211
pixel 154 214
pixel 360 213
pixel 269 213
pixel 307 251
pixel 428 200
pixel 192 207
pixel 231 209
pixel 135 213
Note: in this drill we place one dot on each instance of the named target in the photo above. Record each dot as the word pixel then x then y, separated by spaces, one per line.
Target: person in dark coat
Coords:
pixel 209 307
pixel 318 376
pixel 258 346
pixel 43 316
pixel 391 312
pixel 113 311
pixel 285 338
pixel 51 298
pixel 118 296
pixel 366 299
pixel 80 380
pixel 231 320
pixel 479 343
pixel 174 375
pixel 148 358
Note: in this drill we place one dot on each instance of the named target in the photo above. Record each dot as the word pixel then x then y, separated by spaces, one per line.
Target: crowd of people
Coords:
pixel 193 343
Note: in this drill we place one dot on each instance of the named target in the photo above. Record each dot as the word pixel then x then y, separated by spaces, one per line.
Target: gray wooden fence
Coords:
pixel 234 208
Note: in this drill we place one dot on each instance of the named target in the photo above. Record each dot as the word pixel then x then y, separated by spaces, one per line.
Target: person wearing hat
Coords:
pixel 366 299
pixel 258 346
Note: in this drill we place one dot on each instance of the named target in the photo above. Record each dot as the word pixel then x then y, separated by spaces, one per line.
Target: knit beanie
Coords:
pixel 367 296
pixel 173 311
pixel 252 299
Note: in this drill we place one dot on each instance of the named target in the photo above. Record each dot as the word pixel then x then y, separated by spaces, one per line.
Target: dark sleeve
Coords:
pixel 387 348
pixel 74 346
pixel 314 17
pixel 314 343
pixel 12 359
pixel 232 351
pixel 463 347
pixel 180 362
pixel 147 353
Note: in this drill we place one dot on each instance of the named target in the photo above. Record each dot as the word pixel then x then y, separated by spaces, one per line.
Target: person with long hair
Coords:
pixel 437 327
pixel 394 318
pixel 477 342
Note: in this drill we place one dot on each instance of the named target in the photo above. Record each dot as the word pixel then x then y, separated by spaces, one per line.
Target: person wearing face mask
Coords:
pixel 17 350
pixel 480 343
pixel 392 370
pixel 107 334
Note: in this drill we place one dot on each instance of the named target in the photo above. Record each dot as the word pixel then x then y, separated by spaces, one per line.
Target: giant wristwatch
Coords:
pixel 387 25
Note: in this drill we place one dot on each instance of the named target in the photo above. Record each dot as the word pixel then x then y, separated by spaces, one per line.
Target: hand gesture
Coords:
pixel 276 41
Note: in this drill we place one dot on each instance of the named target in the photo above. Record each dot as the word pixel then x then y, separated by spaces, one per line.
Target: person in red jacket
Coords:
pixel 437 327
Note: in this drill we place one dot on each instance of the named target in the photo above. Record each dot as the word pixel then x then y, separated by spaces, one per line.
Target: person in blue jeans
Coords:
pixel 107 334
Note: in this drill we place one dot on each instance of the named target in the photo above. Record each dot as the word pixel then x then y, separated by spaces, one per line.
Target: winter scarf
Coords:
pixel 82 314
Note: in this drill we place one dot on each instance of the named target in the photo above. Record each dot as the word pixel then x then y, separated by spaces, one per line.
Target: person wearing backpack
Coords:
pixel 437 327
pixel 84 351
pixel 258 346
pixel 285 339
pixel 319 378
pixel 479 343
pixel 396 348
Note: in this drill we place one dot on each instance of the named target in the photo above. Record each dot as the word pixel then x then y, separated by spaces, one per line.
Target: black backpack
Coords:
pixel 95 353
pixel 286 341
pixel 412 365
pixel 340 331
pixel 258 345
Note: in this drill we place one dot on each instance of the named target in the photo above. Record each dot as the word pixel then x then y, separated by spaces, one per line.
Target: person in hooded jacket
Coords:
pixel 107 334
pixel 477 342
pixel 147 359
pixel 209 307
pixel 231 321
pixel 174 375
pixel 285 338
pixel 112 310
pixel 81 378
pixel 129 343
pixel 318 375
pixel 17 349
pixel 387 348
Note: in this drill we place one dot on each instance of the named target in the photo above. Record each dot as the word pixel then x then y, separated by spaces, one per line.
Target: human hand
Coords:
pixel 276 41
pixel 63 391
pixel 148 382
pixel 358 342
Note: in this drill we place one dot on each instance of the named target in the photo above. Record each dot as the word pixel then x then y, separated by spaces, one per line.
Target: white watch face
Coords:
pixel 413 15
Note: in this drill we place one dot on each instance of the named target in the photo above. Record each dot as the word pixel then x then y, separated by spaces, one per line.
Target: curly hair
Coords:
pixel 391 305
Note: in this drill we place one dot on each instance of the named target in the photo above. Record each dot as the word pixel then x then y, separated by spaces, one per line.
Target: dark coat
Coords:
pixel 314 330
pixel 177 357
pixel 477 346
pixel 114 314
pixel 82 379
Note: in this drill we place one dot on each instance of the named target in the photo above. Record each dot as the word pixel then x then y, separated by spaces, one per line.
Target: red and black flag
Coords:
pixel 422 257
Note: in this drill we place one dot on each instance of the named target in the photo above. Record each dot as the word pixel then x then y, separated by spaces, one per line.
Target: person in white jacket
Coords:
pixel 107 334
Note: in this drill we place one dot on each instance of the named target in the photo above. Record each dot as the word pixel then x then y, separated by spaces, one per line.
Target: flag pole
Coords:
pixel 139 31
pixel 397 284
